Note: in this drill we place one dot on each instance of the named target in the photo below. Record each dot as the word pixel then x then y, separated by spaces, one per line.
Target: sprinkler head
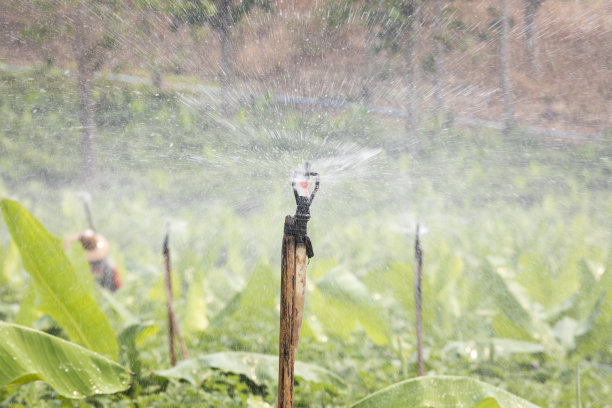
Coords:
pixel 303 198
pixel 302 181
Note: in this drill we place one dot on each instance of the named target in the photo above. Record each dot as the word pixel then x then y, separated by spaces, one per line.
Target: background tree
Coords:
pixel 438 54
pixel 151 22
pixel 504 57
pixel 94 37
pixel 87 25
pixel 396 27
pixel 530 11
pixel 222 16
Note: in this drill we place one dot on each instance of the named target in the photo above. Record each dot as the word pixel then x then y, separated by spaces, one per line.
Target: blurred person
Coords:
pixel 96 248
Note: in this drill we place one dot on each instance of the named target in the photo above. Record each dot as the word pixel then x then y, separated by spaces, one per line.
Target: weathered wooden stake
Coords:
pixel 418 275
pixel 297 248
pixel 286 355
pixel 293 291
pixel 88 213
pixel 173 327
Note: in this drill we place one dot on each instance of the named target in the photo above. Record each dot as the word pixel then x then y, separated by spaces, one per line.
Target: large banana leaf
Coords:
pixel 63 293
pixel 29 355
pixel 442 391
pixel 260 368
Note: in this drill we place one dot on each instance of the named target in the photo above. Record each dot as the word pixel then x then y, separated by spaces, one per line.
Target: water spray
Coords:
pixel 297 248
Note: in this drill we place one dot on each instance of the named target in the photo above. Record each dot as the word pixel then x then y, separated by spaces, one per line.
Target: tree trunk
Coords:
pixel 85 61
pixel 438 56
pixel 508 115
pixel 365 95
pixel 227 57
pixel 530 10
pixel 150 50
pixel 414 142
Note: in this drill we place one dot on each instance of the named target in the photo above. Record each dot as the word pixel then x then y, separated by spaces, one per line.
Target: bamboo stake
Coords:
pixel 173 327
pixel 86 198
pixel 418 275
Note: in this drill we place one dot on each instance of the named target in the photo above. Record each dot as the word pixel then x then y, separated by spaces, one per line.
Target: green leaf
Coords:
pixel 345 301
pixel 195 307
pixel 27 309
pixel 9 264
pixel 29 355
pixel 258 299
pixel 129 338
pixel 595 330
pixel 442 391
pixel 63 293
pixel 488 403
pixel 516 320
pixel 260 368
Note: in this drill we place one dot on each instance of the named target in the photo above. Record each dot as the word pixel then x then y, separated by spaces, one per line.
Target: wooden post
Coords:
pixel 418 277
pixel 297 248
pixel 286 354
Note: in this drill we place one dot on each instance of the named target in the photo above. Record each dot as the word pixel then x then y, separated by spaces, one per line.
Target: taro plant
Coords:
pixel 65 295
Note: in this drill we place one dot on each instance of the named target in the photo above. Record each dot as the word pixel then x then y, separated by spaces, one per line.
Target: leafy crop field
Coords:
pixel 517 266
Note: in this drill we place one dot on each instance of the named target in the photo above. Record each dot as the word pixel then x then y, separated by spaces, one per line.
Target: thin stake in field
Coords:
pixel 173 326
pixel 418 278
pixel 86 199
pixel 295 251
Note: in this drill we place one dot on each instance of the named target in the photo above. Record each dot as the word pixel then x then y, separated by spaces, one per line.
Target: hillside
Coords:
pixel 303 48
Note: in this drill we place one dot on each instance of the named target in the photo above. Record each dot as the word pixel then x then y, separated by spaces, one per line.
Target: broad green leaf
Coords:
pixel 27 309
pixel 9 264
pixel 29 355
pixel 158 291
pixel 516 320
pixel 116 306
pixel 62 292
pixel 258 299
pixel 195 308
pixel 488 403
pixel 347 300
pixel 260 368
pixel 588 286
pixel 537 278
pixel 396 279
pixel 595 330
pixel 442 391
pixel 129 338
pixel 76 255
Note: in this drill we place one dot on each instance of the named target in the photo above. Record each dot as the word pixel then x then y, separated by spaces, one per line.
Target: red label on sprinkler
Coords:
pixel 303 190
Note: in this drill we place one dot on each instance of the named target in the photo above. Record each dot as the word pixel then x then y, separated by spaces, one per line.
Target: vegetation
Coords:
pixel 516 276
